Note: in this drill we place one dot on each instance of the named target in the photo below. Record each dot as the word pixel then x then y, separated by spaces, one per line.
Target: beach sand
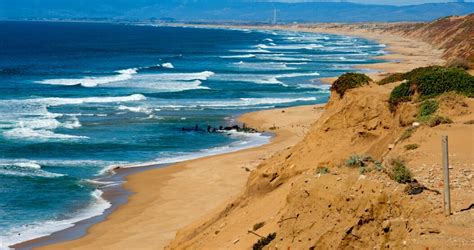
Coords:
pixel 169 198
pixel 166 200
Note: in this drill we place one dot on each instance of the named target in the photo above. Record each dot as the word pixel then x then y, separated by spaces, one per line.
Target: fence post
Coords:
pixel 447 194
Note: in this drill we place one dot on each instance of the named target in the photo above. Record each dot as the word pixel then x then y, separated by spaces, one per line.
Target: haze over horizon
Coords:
pixel 236 10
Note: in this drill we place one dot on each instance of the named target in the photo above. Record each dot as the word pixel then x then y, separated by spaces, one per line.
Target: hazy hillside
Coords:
pixel 227 10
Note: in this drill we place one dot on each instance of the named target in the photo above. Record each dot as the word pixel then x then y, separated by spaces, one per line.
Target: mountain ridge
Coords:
pixel 229 10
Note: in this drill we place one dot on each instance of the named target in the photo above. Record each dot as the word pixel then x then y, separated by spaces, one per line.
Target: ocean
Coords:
pixel 78 99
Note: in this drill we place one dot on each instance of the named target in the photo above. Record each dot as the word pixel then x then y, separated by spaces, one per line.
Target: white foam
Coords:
pixel 268 40
pixel 306 38
pixel 311 46
pixel 232 103
pixel 167 82
pixel 238 56
pixel 23 168
pixel 167 65
pixel 261 78
pixel 21 164
pixel 144 110
pixel 72 124
pixel 282 58
pixel 101 184
pixel 40 229
pixel 296 63
pixel 55 101
pixel 251 78
pixel 123 75
pixel 204 75
pixel 250 51
pixel 30 119
pixel 245 140
pixel 270 66
pixel 297 75
pixel 38 134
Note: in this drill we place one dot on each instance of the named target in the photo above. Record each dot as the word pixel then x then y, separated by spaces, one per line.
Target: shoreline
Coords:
pixel 168 174
pixel 160 179
pixel 117 195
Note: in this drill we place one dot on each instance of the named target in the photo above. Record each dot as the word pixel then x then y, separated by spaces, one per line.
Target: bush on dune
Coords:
pixel 428 108
pixel 397 77
pixel 401 93
pixel 430 82
pixel 349 81
pixel 399 172
pixel 436 82
pixel 437 120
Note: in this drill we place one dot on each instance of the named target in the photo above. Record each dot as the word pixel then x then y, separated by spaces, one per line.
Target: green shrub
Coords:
pixel 378 165
pixel 428 108
pixel 431 82
pixel 440 80
pixel 322 170
pixel 400 173
pixel 356 161
pixel 364 170
pixel 415 74
pixel 401 93
pixel 411 146
pixel 349 81
pixel 437 120
pixel 261 243
pixel 396 77
pixel 407 133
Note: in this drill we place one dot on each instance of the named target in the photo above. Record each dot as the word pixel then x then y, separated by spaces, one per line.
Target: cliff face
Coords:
pixel 347 208
pixel 454 34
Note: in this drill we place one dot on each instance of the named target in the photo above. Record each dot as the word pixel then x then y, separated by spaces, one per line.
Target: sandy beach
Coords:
pixel 166 200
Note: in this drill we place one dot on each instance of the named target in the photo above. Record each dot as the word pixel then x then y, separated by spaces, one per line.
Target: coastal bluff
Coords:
pixel 309 197
pixel 366 174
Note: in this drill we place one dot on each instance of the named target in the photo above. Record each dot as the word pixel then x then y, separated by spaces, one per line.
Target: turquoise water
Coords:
pixel 77 99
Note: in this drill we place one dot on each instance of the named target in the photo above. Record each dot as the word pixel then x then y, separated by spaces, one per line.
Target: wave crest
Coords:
pixel 89 82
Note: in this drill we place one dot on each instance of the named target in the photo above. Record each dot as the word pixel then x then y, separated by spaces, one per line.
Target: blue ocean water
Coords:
pixel 77 99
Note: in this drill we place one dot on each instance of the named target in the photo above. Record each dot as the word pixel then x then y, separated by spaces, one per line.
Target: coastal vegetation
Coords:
pixel 427 108
pixel 434 121
pixel 399 172
pixel 430 82
pixel 356 161
pixel 322 170
pixel 264 241
pixel 349 81
pixel 395 77
pixel 412 146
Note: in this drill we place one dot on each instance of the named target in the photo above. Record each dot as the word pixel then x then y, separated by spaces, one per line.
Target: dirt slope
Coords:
pixel 453 34
pixel 344 209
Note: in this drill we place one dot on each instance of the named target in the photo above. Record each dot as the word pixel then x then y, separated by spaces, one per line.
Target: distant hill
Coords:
pixel 226 10
pixel 454 34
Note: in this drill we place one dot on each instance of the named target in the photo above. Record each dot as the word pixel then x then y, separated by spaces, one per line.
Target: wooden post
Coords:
pixel 447 194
